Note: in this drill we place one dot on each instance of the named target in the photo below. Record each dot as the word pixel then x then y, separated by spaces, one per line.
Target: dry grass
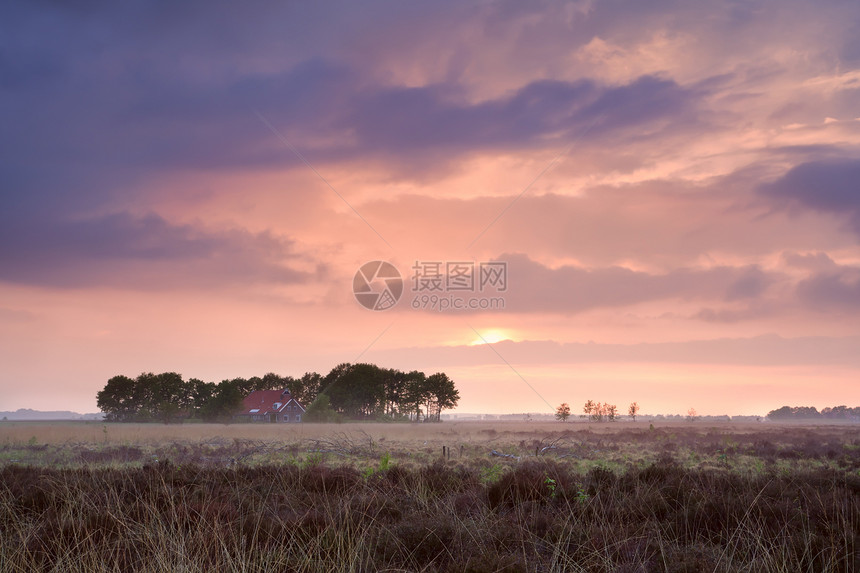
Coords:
pixel 374 497
pixel 63 432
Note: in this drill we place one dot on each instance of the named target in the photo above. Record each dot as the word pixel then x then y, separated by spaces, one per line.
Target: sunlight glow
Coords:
pixel 491 336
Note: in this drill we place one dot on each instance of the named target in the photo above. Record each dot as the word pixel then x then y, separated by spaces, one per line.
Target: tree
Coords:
pixel 359 391
pixel 307 388
pixel 599 412
pixel 320 410
pixel 692 415
pixel 117 399
pixel 562 413
pixel 200 393
pixel 441 394
pixel 226 401
pixel 633 410
pixel 142 397
pixel 366 391
pixel 148 397
pixel 811 413
pixel 396 385
pixel 610 411
pixel 272 381
pixel 356 390
pixel 588 408
pixel 413 394
pixel 168 397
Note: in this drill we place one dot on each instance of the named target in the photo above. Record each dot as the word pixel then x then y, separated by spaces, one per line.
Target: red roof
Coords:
pixel 260 402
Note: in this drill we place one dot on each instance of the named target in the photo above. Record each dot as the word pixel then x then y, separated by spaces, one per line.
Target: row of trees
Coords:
pixel 596 412
pixel 354 391
pixel 166 396
pixel 812 413
pixel 366 391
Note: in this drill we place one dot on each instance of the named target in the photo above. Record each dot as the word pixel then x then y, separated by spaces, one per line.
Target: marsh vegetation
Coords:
pixel 378 497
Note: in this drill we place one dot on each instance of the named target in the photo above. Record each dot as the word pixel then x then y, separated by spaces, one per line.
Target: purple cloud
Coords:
pixel 534 287
pixel 144 252
pixel 401 119
pixel 836 290
pixel 823 186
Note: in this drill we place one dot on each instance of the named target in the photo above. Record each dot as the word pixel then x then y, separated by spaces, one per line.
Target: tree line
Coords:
pixel 596 412
pixel 812 413
pixel 367 392
pixel 349 391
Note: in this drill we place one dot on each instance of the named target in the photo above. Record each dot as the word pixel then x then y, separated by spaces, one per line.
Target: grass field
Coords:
pixel 511 496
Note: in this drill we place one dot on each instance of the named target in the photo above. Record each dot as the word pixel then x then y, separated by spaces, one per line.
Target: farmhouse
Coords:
pixel 271 406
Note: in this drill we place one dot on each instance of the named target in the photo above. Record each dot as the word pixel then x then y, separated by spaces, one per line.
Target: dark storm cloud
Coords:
pixel 824 186
pixel 835 290
pixel 850 52
pixel 400 119
pixel 750 282
pixel 828 286
pixel 133 88
pixel 140 87
pixel 142 120
pixel 98 99
pixel 143 252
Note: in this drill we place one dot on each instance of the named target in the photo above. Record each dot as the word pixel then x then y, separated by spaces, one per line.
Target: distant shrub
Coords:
pixel 320 410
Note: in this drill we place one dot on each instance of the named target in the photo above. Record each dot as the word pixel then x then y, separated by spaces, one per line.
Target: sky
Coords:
pixel 629 201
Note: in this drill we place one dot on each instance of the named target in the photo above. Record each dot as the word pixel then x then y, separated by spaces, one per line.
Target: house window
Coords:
pixel 286 417
pixel 298 417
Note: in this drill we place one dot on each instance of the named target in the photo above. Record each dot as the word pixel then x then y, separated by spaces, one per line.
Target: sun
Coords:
pixel 490 336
